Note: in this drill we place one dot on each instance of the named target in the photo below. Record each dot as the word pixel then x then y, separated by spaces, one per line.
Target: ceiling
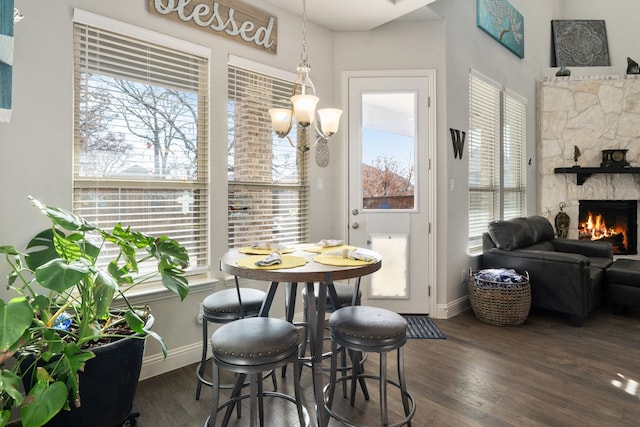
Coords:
pixel 358 15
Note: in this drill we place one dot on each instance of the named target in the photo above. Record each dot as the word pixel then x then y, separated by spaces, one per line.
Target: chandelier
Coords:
pixel 303 105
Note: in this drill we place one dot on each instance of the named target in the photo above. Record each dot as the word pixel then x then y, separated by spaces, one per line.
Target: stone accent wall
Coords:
pixel 593 113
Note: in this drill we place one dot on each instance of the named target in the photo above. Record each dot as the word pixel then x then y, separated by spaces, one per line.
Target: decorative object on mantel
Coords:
pixel 563 71
pixel 303 106
pixel 503 22
pixel 231 19
pixel 579 43
pixel 457 138
pixel 562 222
pixel 576 154
pixel 632 66
pixel 616 158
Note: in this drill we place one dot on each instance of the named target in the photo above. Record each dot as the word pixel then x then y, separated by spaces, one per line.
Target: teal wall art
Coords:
pixel 8 17
pixel 503 22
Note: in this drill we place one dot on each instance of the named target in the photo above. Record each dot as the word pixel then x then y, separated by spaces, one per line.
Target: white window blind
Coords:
pixel 497 150
pixel 268 190
pixel 514 155
pixel 140 152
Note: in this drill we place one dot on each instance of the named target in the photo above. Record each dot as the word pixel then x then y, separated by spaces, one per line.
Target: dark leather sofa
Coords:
pixel 567 276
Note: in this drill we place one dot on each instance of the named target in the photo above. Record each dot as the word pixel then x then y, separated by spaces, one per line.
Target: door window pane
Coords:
pixel 388 150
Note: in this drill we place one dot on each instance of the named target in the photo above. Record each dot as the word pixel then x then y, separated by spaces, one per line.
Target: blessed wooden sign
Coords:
pixel 231 19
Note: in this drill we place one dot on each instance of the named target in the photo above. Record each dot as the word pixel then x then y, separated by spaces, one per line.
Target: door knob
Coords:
pixel 355 225
pixel 355 212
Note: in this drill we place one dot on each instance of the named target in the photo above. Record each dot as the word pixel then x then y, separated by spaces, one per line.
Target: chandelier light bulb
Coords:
pixel 329 120
pixel 304 107
pixel 280 120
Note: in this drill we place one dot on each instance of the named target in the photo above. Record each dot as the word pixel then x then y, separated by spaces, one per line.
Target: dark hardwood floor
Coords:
pixel 545 372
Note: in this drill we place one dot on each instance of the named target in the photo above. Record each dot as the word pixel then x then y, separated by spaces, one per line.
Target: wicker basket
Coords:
pixel 499 303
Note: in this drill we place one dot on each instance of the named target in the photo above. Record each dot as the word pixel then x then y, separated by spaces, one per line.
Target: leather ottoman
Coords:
pixel 623 284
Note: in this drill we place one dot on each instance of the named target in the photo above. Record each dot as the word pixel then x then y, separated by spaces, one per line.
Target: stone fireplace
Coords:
pixel 613 221
pixel 590 113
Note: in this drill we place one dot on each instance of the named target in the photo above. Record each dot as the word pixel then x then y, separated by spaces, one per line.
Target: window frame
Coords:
pixel 242 199
pixel 200 183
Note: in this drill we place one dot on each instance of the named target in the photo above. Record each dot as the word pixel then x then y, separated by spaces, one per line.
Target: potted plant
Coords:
pixel 67 286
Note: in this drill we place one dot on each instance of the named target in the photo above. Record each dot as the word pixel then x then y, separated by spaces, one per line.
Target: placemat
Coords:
pixel 288 261
pixel 321 249
pixel 254 251
pixel 339 260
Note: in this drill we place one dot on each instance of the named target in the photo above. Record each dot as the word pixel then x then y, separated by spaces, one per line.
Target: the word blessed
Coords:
pixel 249 25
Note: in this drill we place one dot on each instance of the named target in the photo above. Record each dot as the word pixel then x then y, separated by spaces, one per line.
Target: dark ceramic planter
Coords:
pixel 107 386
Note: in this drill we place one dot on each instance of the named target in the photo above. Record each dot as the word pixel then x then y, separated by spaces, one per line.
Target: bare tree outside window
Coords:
pixel 387 184
pixel 157 130
pixel 106 151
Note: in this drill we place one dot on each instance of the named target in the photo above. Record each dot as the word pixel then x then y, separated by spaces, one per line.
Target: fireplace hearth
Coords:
pixel 614 221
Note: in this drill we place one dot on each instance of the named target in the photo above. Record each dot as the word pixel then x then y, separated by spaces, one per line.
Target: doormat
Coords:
pixel 422 327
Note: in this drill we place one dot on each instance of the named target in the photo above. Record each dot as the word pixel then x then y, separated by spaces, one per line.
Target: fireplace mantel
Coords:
pixel 583 173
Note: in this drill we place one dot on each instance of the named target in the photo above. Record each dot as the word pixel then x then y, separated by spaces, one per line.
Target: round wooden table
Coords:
pixel 310 273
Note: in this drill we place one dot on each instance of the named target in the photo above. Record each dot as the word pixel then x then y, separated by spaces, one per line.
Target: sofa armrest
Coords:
pixel 584 247
pixel 535 256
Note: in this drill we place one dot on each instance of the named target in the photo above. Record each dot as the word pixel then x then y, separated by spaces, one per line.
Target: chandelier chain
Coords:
pixel 303 56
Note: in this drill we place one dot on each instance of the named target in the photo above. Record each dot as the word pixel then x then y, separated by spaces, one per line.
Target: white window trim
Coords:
pixel 257 67
pixel 95 20
pixel 201 278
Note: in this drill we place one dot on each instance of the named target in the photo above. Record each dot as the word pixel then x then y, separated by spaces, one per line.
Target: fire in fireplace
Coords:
pixel 613 221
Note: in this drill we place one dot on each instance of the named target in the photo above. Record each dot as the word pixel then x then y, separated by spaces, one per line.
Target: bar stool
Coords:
pixel 373 330
pixel 223 307
pixel 252 346
pixel 345 296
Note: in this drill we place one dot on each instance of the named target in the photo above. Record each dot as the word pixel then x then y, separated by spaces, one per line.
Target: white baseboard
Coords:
pixel 156 364
pixel 447 311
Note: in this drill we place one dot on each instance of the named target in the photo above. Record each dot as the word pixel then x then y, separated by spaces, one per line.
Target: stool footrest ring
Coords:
pixel 230 385
pixel 276 394
pixel 345 422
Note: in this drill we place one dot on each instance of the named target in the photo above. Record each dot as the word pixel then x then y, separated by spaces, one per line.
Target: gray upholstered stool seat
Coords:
pixel 254 342
pixel 373 330
pixel 252 346
pixel 366 327
pixel 223 307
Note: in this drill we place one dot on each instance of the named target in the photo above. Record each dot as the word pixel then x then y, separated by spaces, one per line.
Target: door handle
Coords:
pixel 355 225
pixel 355 212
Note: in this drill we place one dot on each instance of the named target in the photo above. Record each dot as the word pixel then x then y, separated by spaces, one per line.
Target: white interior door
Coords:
pixel 389 144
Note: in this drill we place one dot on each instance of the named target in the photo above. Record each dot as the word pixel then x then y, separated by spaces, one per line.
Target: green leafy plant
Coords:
pixel 64 297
